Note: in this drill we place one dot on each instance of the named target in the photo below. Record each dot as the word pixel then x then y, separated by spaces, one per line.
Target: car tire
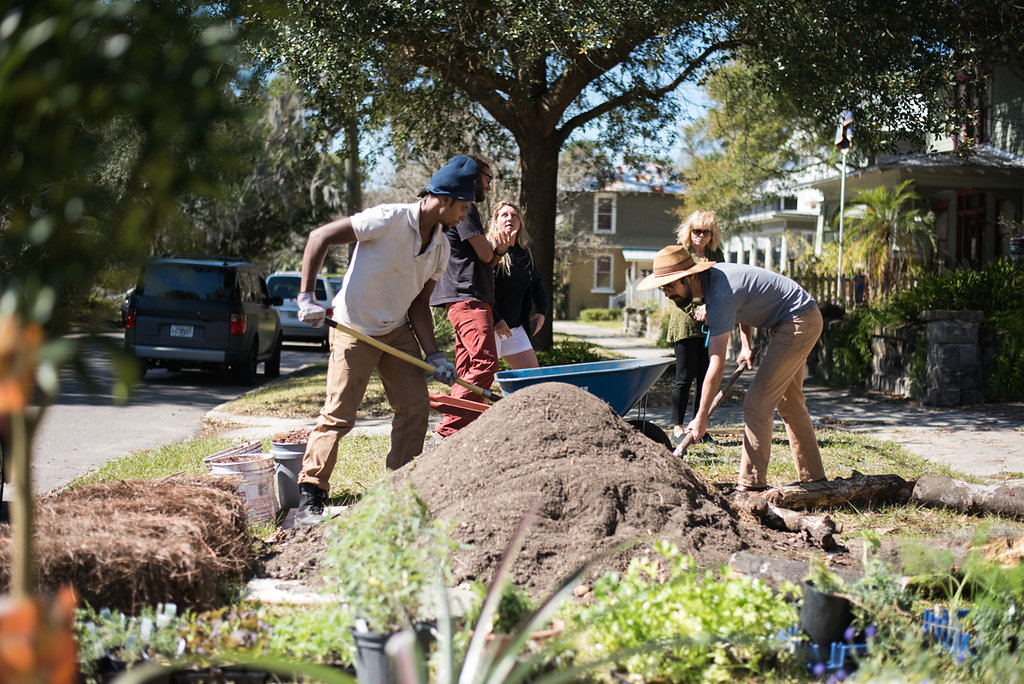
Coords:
pixel 272 366
pixel 245 372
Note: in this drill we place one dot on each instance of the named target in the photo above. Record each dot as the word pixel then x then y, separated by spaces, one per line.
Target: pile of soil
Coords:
pixel 123 545
pixel 600 483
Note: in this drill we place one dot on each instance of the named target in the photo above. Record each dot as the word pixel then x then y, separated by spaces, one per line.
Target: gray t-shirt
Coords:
pixel 750 295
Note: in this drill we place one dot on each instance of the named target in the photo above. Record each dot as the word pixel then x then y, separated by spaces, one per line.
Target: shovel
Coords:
pixel 688 440
pixel 414 360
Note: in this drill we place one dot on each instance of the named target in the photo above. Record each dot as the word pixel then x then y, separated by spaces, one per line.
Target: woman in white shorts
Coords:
pixel 520 301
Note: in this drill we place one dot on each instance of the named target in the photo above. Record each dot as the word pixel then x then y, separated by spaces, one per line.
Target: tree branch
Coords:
pixel 646 93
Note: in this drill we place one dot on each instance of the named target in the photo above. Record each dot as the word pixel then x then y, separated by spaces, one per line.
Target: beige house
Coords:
pixel 625 222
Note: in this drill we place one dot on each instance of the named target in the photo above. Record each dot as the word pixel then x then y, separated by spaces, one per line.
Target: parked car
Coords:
pixel 207 312
pixel 285 284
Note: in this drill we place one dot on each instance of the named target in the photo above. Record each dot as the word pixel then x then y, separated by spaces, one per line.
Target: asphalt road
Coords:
pixel 84 429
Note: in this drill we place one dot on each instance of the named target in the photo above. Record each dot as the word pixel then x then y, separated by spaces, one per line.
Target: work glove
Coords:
pixel 444 370
pixel 309 311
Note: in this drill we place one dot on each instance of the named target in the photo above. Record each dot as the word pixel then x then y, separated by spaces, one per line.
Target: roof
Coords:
pixel 638 254
pixel 652 178
pixel 981 160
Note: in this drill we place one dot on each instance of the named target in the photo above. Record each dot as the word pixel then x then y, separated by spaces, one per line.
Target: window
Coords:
pixel 603 274
pixel 604 213
pixel 976 99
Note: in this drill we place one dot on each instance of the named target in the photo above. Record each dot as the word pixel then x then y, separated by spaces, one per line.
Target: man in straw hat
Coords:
pixel 755 298
pixel 400 253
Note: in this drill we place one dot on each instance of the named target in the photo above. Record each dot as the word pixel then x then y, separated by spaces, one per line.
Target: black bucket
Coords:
pixel 373 665
pixel 824 617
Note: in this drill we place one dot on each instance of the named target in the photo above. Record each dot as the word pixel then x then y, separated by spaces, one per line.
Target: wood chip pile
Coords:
pixel 123 545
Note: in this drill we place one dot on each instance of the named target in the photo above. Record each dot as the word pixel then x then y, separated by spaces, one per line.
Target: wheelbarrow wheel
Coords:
pixel 652 432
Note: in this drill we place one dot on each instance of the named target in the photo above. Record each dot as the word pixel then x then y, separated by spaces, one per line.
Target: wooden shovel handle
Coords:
pixel 414 360
pixel 688 440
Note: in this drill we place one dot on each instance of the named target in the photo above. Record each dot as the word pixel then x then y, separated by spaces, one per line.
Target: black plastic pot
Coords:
pixel 824 617
pixel 373 666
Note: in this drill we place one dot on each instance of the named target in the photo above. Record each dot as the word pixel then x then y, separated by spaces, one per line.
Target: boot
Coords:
pixel 311 505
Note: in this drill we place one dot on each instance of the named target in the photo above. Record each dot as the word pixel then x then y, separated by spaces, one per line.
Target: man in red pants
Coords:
pixel 466 290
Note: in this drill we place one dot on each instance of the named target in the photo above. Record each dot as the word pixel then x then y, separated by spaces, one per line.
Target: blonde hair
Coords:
pixel 522 237
pixel 701 220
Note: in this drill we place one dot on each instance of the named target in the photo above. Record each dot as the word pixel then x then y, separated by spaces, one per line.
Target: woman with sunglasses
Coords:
pixel 701 236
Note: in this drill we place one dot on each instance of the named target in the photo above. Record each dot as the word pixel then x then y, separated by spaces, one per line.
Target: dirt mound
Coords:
pixel 123 545
pixel 601 482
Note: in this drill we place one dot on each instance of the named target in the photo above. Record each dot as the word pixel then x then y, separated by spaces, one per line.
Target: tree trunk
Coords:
pixel 967 497
pixel 538 200
pixel 857 489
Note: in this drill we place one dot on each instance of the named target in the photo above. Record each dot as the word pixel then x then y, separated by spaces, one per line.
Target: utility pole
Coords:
pixel 844 138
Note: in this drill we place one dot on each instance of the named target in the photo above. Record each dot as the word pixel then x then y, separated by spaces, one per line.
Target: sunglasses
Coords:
pixel 700 232
pixel 486 175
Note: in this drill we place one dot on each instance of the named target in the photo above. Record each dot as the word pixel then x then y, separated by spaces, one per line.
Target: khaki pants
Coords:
pixel 348 373
pixel 778 384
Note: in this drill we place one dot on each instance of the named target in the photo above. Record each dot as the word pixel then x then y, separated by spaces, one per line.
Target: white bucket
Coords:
pixel 256 487
pixel 287 466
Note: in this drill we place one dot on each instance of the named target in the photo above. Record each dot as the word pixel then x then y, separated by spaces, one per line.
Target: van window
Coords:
pixel 186 281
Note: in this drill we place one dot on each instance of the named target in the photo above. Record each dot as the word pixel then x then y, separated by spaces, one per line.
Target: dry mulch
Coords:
pixel 128 544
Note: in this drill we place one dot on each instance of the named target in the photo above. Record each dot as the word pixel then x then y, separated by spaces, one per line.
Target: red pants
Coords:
pixel 476 358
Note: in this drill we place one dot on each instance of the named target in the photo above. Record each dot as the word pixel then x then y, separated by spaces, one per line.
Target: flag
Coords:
pixel 844 134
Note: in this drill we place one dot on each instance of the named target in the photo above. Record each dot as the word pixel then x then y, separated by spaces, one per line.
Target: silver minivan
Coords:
pixel 285 284
pixel 204 312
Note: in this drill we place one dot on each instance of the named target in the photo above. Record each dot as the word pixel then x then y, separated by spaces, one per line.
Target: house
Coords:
pixel 618 227
pixel 972 196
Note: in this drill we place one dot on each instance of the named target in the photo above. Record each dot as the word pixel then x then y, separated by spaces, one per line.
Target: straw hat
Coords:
pixel 672 263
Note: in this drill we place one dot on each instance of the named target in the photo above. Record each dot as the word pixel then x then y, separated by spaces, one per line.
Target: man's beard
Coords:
pixel 681 302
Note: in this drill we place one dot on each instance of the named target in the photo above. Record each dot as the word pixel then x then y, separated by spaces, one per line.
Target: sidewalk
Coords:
pixel 986 440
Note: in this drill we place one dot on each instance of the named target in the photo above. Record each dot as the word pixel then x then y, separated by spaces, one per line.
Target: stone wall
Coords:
pixel 953 372
pixel 952 354
pixel 893 350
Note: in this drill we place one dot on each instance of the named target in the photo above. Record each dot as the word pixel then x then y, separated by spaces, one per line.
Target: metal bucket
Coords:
pixel 287 466
pixel 256 487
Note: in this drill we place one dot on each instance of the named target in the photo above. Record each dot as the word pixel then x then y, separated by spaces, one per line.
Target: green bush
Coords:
pixel 592 315
pixel 708 628
pixel 1006 383
pixel 568 351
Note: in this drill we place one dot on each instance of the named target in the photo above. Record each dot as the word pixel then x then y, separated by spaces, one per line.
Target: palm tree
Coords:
pixel 888 235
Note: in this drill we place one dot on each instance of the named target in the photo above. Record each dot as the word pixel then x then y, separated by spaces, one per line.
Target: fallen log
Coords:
pixel 818 530
pixel 857 489
pixel 945 492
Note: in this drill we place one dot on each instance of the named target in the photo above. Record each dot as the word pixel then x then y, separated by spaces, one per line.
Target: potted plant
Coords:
pixel 825 613
pixel 381 562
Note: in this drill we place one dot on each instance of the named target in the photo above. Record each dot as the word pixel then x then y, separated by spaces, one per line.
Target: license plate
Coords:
pixel 181 331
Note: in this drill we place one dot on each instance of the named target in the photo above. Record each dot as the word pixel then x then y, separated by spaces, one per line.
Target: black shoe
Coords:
pixel 708 439
pixel 311 505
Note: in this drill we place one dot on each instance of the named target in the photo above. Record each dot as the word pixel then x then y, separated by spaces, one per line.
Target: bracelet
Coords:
pixel 500 254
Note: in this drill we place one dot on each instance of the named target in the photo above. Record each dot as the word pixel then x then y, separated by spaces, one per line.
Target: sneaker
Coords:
pixel 311 505
pixel 708 439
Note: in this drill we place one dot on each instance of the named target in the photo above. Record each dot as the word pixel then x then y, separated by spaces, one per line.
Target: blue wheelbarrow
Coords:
pixel 621 384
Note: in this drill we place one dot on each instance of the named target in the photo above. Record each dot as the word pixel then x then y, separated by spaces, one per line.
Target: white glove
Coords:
pixel 309 311
pixel 444 370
